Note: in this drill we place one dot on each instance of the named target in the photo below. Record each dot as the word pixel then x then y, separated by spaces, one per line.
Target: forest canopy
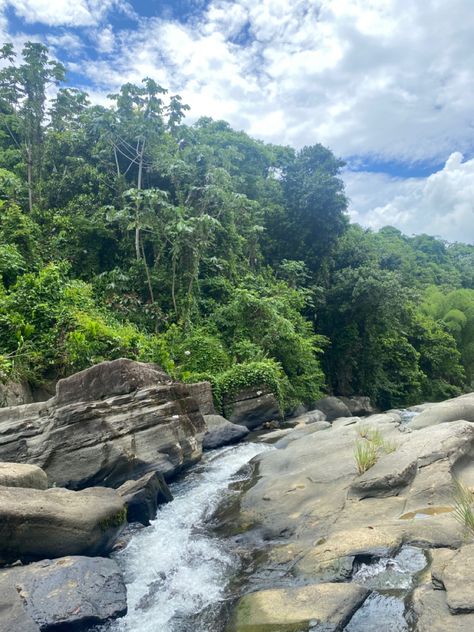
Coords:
pixel 125 231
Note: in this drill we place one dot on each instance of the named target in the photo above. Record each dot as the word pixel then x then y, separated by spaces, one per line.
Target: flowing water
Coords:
pixel 176 570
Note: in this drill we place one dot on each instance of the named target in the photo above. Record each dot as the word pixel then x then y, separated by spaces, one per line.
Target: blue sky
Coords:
pixel 388 85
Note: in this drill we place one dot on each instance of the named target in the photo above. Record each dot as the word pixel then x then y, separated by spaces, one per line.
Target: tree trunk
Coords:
pixel 29 163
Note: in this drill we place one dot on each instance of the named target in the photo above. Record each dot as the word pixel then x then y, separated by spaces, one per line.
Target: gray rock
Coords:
pixel 310 417
pixel 332 407
pixel 22 475
pixel 393 471
pixel 147 424
pixel 458 579
pixel 221 432
pixel 143 496
pixel 15 394
pixel 37 524
pixel 252 407
pixel 433 615
pixel 202 393
pixel 359 405
pixel 450 410
pixel 62 594
pixel 108 379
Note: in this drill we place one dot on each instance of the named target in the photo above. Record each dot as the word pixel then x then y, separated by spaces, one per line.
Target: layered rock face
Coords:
pixel 113 422
pixel 252 407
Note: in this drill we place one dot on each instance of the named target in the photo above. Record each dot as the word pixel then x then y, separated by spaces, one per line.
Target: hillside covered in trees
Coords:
pixel 125 231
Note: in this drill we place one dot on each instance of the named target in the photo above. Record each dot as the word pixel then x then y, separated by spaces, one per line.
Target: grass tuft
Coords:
pixel 463 506
pixel 365 454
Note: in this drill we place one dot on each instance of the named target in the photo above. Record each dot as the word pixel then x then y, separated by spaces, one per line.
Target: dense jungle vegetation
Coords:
pixel 125 231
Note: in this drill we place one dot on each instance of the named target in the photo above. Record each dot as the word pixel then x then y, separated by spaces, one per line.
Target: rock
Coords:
pixel 358 405
pixel 302 431
pixel 458 580
pixel 15 394
pixel 22 475
pixel 140 422
pixel 251 407
pixel 221 432
pixel 62 594
pixel 310 417
pixel 439 559
pixel 393 471
pixel 298 411
pixel 37 524
pixel 202 393
pixel 450 410
pixel 332 407
pixel 108 379
pixel 327 606
pixel 433 615
pixel 143 496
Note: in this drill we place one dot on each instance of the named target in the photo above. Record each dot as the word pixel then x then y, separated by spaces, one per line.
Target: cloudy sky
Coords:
pixel 388 85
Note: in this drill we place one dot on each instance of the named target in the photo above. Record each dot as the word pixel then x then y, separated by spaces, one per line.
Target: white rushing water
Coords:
pixel 176 568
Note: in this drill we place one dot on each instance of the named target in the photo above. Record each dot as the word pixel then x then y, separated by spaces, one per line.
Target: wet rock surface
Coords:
pixel 325 607
pixel 69 593
pixel 113 422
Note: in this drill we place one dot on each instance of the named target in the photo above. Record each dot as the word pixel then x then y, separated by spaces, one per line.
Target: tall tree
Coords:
pixel 23 95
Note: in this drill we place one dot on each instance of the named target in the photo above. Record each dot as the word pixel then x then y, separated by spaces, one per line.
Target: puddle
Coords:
pixel 426 512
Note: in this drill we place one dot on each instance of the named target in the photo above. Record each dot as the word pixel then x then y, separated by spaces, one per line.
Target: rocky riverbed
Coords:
pixel 338 522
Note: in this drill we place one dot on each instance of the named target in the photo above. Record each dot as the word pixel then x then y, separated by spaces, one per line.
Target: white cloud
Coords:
pixel 386 78
pixel 63 12
pixel 441 204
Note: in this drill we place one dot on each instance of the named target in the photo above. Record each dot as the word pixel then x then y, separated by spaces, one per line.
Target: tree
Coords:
pixel 23 103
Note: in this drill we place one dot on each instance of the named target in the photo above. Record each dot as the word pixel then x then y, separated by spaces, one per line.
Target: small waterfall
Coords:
pixel 175 569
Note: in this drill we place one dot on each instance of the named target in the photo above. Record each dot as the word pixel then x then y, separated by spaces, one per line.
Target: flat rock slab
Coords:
pixel 22 475
pixel 36 524
pixel 298 609
pixel 62 594
pixel 433 615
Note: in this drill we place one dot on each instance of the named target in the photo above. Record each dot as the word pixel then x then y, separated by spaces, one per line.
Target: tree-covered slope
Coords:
pixel 125 231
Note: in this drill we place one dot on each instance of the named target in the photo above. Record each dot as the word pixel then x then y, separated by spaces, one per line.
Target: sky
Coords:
pixel 387 85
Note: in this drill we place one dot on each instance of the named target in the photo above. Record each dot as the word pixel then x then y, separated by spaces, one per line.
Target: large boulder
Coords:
pixel 37 524
pixel 202 393
pixel 329 606
pixel 143 496
pixel 332 407
pixel 450 410
pixel 22 475
pixel 221 432
pixel 113 422
pixel 252 407
pixel 63 594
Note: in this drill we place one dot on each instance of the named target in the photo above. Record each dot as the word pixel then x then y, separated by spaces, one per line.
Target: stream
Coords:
pixel 176 570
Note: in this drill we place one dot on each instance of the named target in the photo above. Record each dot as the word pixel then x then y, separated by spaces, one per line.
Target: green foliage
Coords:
pixel 365 455
pixel 125 231
pixel 464 507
